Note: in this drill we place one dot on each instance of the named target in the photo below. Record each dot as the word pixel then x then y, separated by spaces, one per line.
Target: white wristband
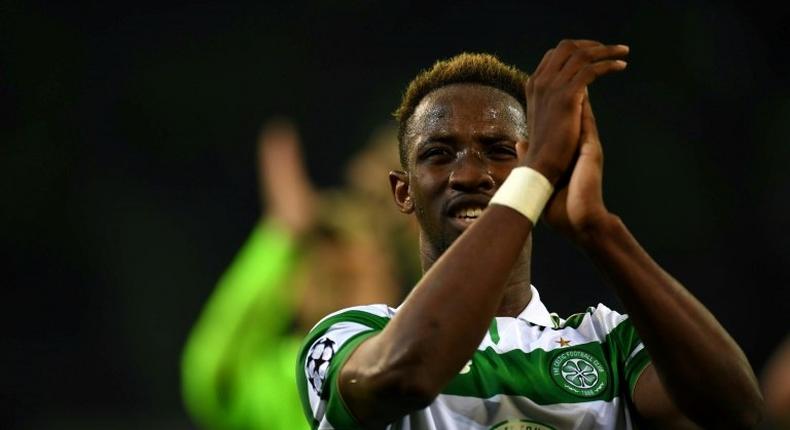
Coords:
pixel 525 190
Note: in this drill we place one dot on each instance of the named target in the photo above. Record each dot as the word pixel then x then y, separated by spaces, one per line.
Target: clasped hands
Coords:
pixel 563 137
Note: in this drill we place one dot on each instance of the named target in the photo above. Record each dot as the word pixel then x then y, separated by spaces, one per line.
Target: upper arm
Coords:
pixel 378 387
pixel 321 358
pixel 654 404
pixel 651 399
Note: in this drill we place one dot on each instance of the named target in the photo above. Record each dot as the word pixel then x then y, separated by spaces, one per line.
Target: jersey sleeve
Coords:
pixel 321 357
pixel 627 348
pixel 240 327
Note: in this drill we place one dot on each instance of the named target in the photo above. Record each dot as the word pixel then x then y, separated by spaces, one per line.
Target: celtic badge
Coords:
pixel 579 373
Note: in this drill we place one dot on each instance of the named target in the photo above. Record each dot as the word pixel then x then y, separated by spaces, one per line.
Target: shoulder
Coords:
pixel 373 316
pixel 614 330
pixel 325 349
pixel 337 329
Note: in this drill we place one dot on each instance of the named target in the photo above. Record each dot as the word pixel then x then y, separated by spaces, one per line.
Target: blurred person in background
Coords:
pixel 310 254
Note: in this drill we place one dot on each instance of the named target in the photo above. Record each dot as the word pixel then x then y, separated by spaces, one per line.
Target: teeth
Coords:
pixel 470 213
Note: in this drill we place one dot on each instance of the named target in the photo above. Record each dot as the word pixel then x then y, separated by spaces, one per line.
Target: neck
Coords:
pixel 517 294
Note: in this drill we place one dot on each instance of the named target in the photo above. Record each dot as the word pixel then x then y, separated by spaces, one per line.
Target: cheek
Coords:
pixel 501 172
pixel 426 196
pixel 430 181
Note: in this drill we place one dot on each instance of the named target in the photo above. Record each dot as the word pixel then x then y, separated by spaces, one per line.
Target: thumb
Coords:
pixel 589 131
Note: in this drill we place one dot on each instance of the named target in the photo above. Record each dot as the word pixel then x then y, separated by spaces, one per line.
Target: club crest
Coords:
pixel 579 373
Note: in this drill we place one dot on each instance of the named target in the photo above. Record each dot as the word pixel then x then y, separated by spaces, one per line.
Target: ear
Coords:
pixel 399 183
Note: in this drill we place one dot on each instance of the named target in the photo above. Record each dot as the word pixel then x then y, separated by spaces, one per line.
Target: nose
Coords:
pixel 471 173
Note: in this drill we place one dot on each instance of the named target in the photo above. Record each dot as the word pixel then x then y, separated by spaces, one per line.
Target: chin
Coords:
pixel 446 238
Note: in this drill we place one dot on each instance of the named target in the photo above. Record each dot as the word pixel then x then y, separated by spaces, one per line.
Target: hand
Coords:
pixel 555 93
pixel 577 205
pixel 286 191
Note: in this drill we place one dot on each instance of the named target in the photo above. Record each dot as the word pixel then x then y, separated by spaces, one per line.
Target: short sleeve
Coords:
pixel 628 350
pixel 323 354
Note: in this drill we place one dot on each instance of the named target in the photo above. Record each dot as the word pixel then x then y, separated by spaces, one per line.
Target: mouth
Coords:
pixel 463 213
pixel 470 214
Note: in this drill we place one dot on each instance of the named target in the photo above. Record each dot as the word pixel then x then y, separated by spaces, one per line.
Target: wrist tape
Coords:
pixel 525 190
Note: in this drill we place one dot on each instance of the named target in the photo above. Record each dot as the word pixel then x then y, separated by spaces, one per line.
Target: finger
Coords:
pixel 547 58
pixel 542 65
pixel 589 143
pixel 585 43
pixel 587 177
pixel 589 73
pixel 564 50
pixel 578 43
pixel 593 54
pixel 529 86
pixel 589 125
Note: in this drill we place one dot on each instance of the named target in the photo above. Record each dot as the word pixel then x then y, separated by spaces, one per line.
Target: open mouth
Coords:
pixel 467 214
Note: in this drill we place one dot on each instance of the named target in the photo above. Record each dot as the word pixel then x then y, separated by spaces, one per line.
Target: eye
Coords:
pixel 502 151
pixel 435 153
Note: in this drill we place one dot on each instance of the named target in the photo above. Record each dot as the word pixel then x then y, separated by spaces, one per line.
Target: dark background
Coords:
pixel 128 177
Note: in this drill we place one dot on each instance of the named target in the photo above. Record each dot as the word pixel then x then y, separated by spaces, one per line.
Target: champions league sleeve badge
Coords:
pixel 318 359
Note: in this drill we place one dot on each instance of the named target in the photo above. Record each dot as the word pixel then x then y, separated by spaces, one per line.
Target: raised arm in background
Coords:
pixel 238 360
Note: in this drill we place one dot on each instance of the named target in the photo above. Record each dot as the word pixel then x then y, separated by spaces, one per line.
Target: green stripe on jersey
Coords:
pixel 493 331
pixel 529 374
pixel 634 369
pixel 374 322
pixel 337 411
pixel 578 373
pixel 626 338
pixel 574 321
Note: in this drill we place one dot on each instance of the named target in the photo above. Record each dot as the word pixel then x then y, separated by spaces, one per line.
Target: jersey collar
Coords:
pixel 536 312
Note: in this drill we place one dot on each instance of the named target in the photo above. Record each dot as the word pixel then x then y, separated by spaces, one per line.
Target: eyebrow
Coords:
pixel 484 138
pixel 488 138
pixel 439 137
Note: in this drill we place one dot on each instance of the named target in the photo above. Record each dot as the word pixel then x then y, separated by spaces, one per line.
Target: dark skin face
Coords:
pixel 461 144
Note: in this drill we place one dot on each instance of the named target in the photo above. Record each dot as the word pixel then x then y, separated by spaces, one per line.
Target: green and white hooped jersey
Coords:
pixel 532 372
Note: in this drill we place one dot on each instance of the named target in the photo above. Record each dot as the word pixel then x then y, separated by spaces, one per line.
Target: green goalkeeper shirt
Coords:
pixel 237 366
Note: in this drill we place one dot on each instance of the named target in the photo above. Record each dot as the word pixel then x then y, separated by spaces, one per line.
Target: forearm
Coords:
pixel 216 344
pixel 701 366
pixel 452 306
pixel 442 322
